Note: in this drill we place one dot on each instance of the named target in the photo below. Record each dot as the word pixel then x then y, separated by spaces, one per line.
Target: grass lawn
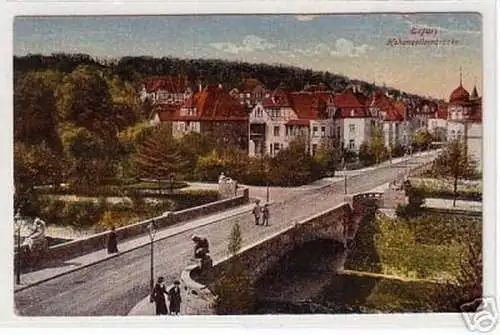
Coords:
pixel 379 294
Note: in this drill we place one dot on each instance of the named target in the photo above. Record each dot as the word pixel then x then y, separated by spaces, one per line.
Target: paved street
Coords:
pixel 114 286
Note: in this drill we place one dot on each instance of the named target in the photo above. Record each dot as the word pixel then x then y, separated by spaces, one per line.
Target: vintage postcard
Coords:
pixel 317 164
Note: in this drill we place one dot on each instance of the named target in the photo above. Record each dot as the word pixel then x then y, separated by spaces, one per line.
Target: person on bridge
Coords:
pixel 256 212
pixel 158 297
pixel 265 215
pixel 174 296
pixel 200 246
pixel 112 242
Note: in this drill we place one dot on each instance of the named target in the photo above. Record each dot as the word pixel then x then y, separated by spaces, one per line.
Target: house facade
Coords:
pixel 212 112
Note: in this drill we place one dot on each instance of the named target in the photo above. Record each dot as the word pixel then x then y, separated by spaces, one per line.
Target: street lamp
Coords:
pixel 152 232
pixel 18 223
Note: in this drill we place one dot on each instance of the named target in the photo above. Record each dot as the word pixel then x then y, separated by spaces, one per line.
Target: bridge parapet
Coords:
pixel 339 223
pixel 68 250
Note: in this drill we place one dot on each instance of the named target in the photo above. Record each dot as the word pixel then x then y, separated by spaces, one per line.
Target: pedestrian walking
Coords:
pixel 174 296
pixel 265 215
pixel 158 297
pixel 256 212
pixel 112 242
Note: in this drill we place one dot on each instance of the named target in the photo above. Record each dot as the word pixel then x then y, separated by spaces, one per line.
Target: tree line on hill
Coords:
pixel 205 71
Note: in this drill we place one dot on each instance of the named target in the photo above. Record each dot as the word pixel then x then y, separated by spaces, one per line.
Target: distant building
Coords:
pixel 212 112
pixel 284 116
pixel 165 90
pixel 353 121
pixel 464 120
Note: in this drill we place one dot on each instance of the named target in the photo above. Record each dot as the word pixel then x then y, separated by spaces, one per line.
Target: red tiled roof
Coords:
pixel 346 102
pixel 309 105
pixel 167 83
pixel 212 104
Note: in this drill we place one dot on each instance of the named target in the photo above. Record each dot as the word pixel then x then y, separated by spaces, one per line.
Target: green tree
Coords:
pixel 91 159
pixel 293 165
pixel 35 117
pixel 34 165
pixel 456 164
pixel 83 99
pixel 234 290
pixel 209 166
pixel 234 240
pixel 421 140
pixel 327 158
pixel 159 158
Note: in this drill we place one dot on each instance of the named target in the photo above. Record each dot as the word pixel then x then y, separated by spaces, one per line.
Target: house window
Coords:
pixel 315 131
pixel 351 145
pixel 271 149
pixel 352 128
pixel 352 112
pixel 276 131
pixel 276 148
pixel 323 131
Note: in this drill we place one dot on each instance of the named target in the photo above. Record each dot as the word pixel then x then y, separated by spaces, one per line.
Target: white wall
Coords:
pixel 356 129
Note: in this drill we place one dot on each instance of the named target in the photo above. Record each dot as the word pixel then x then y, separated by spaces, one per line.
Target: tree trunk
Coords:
pixel 455 186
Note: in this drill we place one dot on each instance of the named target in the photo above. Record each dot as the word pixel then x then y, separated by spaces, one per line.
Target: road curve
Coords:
pixel 114 286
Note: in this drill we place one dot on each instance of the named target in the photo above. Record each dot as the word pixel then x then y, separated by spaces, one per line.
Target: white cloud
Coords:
pixel 341 48
pixel 347 48
pixel 249 44
pixel 305 18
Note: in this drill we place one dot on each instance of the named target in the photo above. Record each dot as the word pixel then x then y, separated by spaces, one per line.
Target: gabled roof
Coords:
pixel 212 104
pixel 309 105
pixel 349 106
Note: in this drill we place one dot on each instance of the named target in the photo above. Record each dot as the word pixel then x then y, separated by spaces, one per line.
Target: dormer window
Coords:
pixel 352 112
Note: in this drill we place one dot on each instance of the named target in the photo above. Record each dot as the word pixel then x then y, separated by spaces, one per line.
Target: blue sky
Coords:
pixel 353 45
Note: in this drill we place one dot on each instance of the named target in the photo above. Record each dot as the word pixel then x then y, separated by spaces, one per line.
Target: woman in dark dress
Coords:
pixel 174 295
pixel 158 297
pixel 112 242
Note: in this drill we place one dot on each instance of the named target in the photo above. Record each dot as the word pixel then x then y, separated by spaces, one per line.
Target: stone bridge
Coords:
pixel 339 224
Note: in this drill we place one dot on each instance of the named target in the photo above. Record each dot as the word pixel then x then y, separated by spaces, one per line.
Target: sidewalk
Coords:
pixel 32 278
pixel 146 308
pixel 426 154
pixel 471 206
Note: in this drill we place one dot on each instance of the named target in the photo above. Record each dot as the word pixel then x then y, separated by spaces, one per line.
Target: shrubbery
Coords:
pixel 102 214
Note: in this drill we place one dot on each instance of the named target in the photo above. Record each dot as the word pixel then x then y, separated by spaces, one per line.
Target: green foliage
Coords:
pixel 379 294
pixel 455 163
pixel 416 200
pixel 234 240
pixel 421 140
pixel 327 159
pixel 35 165
pixel 234 290
pixel 35 116
pixel 159 157
pixel 210 166
pixel 373 151
pixel 297 163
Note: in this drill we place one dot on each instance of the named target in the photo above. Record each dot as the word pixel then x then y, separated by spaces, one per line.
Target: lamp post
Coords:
pixel 18 222
pixel 345 184
pixel 152 232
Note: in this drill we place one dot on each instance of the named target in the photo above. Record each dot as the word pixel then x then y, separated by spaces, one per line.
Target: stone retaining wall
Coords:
pixel 65 251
